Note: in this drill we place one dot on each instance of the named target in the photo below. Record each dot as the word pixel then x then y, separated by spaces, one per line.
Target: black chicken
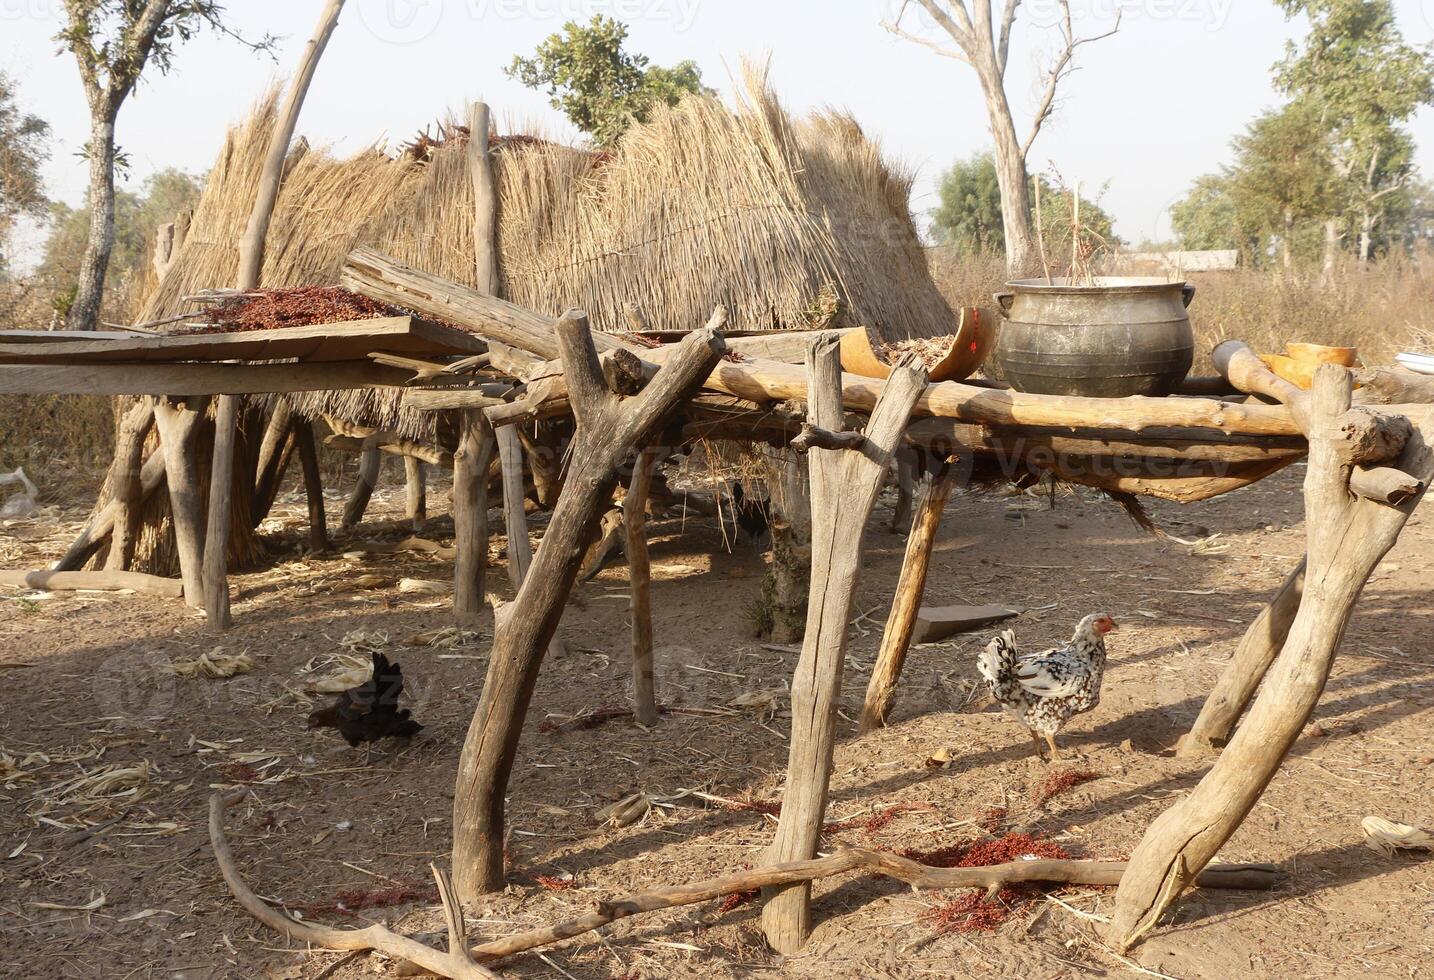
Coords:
pixel 370 711
pixel 751 515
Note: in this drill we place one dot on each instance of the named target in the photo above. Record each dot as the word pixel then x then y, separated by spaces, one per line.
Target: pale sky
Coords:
pixel 1151 108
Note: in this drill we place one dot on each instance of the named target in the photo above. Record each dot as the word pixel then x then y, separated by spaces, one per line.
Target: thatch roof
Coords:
pixel 788 224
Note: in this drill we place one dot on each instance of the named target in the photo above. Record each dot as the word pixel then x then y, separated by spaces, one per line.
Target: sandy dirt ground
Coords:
pixel 109 757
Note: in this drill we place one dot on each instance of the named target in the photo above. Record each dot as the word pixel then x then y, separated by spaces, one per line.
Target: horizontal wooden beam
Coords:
pixel 194 379
pixel 105 581
pixel 349 340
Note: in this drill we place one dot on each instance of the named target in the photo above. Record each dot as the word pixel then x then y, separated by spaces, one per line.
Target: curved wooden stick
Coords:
pixel 457 963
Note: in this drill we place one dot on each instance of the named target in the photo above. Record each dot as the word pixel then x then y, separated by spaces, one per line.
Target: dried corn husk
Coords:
pixel 423 586
pixel 1386 836
pixel 216 663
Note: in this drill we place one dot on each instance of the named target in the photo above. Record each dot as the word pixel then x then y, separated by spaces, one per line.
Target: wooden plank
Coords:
pixel 62 336
pixel 194 379
pixel 348 340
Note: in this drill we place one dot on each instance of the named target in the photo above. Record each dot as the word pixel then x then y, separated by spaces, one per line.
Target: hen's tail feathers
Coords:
pixel 997 664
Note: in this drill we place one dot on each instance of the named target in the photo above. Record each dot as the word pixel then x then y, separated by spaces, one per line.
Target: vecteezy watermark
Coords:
pixel 411 21
pixel 50 10
pixel 1212 15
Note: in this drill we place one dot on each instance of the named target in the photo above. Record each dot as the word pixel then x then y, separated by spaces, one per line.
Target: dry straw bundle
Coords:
pixel 788 224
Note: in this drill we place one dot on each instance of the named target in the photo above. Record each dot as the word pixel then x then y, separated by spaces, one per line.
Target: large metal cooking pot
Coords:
pixel 1115 337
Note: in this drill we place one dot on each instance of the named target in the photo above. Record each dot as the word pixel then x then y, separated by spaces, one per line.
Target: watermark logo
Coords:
pixel 401 21
pixel 1212 15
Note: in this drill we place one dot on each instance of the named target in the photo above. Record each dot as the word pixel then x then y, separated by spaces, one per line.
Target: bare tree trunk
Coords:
pixel 1332 238
pixel 1021 255
pixel 84 310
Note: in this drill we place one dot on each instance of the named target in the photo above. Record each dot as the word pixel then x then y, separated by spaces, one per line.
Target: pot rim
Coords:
pixel 1061 285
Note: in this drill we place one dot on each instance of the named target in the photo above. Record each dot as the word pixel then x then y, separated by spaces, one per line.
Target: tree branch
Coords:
pixel 1003 43
pixel 926 43
pixel 1061 69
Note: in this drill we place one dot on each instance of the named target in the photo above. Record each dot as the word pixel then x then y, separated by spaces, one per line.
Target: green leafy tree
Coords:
pixel 1356 70
pixel 970 220
pixel 138 216
pixel 1208 217
pixel 23 148
pixel 599 86
pixel 113 42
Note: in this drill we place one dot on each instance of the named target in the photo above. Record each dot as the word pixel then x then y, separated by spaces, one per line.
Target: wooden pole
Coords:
pixel 609 429
pixel 313 484
pixel 845 484
pixel 1241 677
pixel 128 484
pixel 251 264
pixel 178 423
pixel 109 580
pixel 101 526
pixel 1347 537
pixel 221 497
pixel 485 202
pixel 415 478
pixel 520 548
pixel 910 587
pixel 370 461
pixel 639 573
pixel 470 515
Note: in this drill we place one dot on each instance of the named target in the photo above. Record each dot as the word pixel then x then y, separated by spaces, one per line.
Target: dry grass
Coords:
pixel 56 438
pixel 1382 309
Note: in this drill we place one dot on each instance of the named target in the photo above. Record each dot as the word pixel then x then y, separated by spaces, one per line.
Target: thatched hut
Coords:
pixel 787 223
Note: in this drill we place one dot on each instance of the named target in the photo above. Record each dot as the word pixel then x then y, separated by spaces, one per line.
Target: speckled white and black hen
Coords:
pixel 1045 690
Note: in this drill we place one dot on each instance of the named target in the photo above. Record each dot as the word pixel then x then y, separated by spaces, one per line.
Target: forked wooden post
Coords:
pixel 178 422
pixel 470 515
pixel 127 484
pixel 313 484
pixel 845 484
pixel 910 587
pixel 639 574
pixel 520 548
pixel 1347 537
pixel 415 480
pixel 609 429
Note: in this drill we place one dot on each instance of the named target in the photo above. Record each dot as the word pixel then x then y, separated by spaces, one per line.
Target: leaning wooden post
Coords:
pixel 251 263
pixel 415 479
pixel 1347 536
pixel 520 548
pixel 609 429
pixel 178 423
pixel 313 484
pixel 846 475
pixel 639 574
pixel 470 515
pixel 910 587
pixel 127 484
pixel 1241 677
pixel 276 448
pixel 370 462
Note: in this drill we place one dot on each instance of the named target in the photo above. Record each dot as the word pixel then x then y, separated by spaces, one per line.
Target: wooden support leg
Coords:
pixel 178 423
pixel 520 548
pixel 1242 675
pixel 845 484
pixel 127 485
pixel 1347 537
pixel 910 587
pixel 905 489
pixel 221 505
pixel 370 459
pixel 313 484
pixel 275 451
pixel 415 478
pixel 470 515
pixel 639 572
pixel 101 526
pixel 609 429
